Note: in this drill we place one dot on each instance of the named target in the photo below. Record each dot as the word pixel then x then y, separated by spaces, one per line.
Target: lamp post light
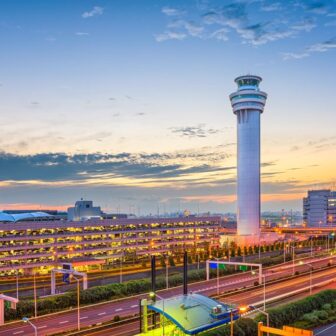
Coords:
pixel 167 275
pixel 26 320
pixel 35 294
pixel 153 296
pixel 310 276
pixel 217 275
pixel 264 313
pixel 120 269
pixel 78 302
pixel 241 310
pixel 17 284
pixel 231 323
pixel 264 281
pixel 293 249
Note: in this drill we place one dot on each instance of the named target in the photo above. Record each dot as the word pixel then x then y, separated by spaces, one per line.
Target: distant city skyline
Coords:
pixel 126 102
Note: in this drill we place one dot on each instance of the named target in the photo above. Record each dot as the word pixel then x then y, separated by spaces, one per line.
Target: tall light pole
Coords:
pixel 120 269
pixel 35 294
pixel 264 313
pixel 217 275
pixel 310 276
pixel 293 249
pixel 26 320
pixel 264 280
pixel 78 302
pixel 167 276
pixel 17 284
pixel 231 323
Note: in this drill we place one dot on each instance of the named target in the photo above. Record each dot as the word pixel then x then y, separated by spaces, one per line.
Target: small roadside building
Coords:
pixel 190 314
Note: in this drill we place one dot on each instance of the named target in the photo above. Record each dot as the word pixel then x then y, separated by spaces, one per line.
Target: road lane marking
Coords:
pixel 103 313
pixel 134 306
pixel 18 332
pixel 83 317
pixel 119 309
pixel 322 331
pixel 62 322
pixel 41 327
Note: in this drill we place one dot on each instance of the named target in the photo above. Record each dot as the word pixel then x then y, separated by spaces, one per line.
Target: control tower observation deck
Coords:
pixel 248 103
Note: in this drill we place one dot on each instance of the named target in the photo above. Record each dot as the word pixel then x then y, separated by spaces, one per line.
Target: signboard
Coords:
pixel 243 268
pixel 66 278
pixel 67 267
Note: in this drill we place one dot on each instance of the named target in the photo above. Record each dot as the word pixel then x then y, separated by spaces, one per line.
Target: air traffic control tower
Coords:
pixel 248 103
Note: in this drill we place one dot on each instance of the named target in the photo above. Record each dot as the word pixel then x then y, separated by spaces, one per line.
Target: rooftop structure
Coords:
pixel 83 210
pixel 45 244
pixel 247 104
pixel 192 314
pixel 14 217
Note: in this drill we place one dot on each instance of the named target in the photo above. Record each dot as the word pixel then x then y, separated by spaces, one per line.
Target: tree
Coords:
pixel 162 261
pixel 239 252
pixel 171 261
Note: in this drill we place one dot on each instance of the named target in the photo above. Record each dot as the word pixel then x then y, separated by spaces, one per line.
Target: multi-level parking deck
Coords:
pixel 43 244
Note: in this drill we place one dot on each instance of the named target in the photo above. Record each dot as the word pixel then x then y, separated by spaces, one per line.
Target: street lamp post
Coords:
pixel 120 269
pixel 310 276
pixel 17 284
pixel 35 294
pixel 167 275
pixel 26 320
pixel 293 249
pixel 217 275
pixel 264 280
pixel 265 313
pixel 78 303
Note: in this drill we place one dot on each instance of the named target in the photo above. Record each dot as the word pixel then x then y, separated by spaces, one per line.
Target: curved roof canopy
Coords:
pixel 194 313
pixel 5 217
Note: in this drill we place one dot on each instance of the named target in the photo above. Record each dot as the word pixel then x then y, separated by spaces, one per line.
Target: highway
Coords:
pixel 99 313
pixel 102 277
pixel 251 297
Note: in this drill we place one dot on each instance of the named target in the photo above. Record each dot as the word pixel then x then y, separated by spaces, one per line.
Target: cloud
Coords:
pixel 306 25
pixel 170 11
pixel 276 6
pixel 323 46
pixel 289 55
pixel 194 131
pixel 220 34
pixel 107 168
pixel 169 35
pixel 316 7
pixel 221 22
pixel 96 11
pixel 314 48
pixel 82 34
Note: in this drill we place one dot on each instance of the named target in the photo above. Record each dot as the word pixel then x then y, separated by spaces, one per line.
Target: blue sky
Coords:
pixel 126 102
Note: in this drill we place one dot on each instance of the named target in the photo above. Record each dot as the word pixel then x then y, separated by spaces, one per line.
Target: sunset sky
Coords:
pixel 125 102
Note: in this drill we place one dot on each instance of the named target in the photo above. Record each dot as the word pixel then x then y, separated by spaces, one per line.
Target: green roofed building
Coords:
pixel 190 314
